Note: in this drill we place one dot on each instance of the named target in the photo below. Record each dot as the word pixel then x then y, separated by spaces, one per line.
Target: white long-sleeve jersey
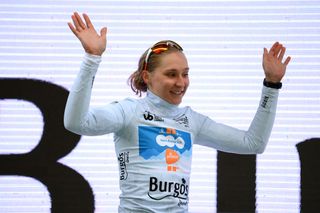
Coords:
pixel 154 140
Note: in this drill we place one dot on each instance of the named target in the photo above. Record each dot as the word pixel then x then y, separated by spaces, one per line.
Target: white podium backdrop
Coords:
pixel 223 41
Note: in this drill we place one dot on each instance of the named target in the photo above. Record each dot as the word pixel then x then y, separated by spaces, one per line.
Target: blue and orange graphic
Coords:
pixel 163 143
pixel 171 158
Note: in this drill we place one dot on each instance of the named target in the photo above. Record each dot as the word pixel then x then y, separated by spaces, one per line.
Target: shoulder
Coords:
pixel 195 118
pixel 193 113
pixel 128 105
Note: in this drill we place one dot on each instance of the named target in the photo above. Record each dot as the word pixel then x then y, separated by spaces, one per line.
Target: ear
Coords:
pixel 145 76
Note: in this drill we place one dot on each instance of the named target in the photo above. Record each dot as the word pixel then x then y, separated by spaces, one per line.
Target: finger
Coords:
pixel 287 61
pixel 88 21
pixel 277 50
pixel 272 49
pixel 265 53
pixel 76 23
pixel 281 54
pixel 72 29
pixel 274 46
pixel 79 19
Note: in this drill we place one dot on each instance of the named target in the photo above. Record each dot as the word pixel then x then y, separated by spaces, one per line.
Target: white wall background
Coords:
pixel 223 40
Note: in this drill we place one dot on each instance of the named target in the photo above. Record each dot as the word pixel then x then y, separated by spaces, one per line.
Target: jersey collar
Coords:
pixel 161 105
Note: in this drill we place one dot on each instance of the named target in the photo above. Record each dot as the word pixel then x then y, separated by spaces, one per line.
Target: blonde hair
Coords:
pixel 135 80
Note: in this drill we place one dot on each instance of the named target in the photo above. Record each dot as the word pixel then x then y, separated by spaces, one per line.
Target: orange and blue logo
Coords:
pixel 160 143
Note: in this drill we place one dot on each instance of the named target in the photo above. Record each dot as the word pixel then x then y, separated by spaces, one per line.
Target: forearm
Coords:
pixel 253 141
pixel 261 126
pixel 77 106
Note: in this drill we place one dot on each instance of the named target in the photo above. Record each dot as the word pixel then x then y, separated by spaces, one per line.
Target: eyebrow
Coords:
pixel 173 69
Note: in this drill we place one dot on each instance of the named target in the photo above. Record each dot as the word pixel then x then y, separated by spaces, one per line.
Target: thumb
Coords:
pixel 265 51
pixel 103 32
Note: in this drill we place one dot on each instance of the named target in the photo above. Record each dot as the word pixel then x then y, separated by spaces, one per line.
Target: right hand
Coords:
pixel 92 42
pixel 273 66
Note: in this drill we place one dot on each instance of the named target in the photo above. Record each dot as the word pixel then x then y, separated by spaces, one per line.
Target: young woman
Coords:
pixel 154 136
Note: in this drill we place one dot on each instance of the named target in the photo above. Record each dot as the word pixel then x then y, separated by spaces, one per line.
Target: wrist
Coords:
pixel 271 84
pixel 91 59
pixel 95 53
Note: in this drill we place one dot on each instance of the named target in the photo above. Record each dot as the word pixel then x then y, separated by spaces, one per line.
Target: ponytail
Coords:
pixel 136 81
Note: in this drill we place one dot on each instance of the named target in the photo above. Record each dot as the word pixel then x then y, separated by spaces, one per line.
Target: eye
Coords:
pixel 171 74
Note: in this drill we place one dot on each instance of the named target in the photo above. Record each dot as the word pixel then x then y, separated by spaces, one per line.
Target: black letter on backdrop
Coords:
pixel 310 174
pixel 236 182
pixel 69 191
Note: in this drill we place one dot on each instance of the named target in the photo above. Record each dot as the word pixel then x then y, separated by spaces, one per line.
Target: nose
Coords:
pixel 180 81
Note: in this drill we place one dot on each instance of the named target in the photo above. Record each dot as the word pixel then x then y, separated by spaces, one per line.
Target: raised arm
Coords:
pixel 78 117
pixel 254 140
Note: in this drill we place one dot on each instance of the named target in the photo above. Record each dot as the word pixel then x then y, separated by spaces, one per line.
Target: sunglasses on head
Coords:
pixel 160 47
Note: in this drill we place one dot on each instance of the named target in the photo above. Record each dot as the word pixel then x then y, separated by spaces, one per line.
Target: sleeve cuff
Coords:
pixel 90 59
pixel 277 85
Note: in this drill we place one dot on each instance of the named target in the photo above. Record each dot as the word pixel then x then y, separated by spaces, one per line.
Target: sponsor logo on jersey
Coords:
pixel 265 101
pixel 148 116
pixel 159 190
pixel 183 120
pixel 167 144
pixel 123 159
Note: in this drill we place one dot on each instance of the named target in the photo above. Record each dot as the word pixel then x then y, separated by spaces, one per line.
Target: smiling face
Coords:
pixel 170 79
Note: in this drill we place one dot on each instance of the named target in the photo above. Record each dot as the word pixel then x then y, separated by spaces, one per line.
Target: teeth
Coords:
pixel 177 92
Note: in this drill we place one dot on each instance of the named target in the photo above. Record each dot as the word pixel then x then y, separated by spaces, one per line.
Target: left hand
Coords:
pixel 273 66
pixel 92 42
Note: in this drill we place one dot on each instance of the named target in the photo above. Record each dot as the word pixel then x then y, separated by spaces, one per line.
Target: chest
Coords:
pixel 150 134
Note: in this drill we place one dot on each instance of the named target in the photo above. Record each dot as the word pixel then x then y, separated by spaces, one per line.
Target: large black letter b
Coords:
pixel 69 191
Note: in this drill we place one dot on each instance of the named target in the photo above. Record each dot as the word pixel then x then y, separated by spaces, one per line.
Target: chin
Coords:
pixel 176 102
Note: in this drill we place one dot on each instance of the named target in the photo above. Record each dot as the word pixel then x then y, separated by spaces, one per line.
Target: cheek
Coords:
pixel 187 82
pixel 156 83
